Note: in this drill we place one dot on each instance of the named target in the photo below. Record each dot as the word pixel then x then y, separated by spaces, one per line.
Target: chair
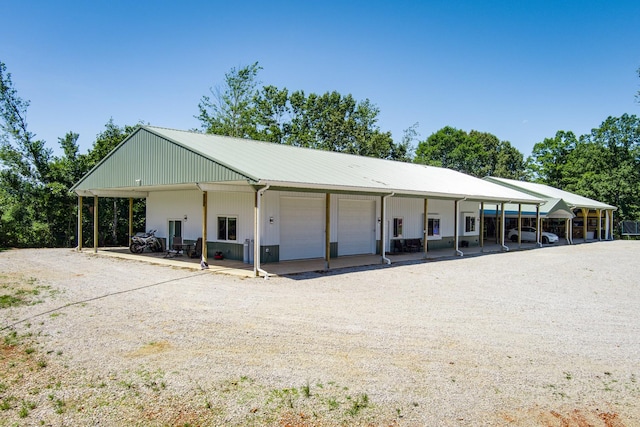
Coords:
pixel 197 251
pixel 176 248
pixel 413 245
pixel 397 246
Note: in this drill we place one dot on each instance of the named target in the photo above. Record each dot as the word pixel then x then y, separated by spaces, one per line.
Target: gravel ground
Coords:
pixel 540 337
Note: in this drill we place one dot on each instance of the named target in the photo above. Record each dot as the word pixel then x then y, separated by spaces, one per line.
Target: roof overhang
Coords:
pixel 120 193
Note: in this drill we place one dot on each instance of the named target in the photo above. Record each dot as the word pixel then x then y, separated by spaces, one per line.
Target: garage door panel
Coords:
pixel 301 228
pixel 356 227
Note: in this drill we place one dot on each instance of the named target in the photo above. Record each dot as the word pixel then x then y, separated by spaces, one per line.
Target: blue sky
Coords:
pixel 520 70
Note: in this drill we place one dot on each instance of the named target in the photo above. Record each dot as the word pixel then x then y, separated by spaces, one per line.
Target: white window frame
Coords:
pixel 465 216
pixel 434 236
pixel 398 224
pixel 226 236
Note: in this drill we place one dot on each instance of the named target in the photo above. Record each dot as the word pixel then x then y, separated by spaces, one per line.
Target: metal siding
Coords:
pixel 155 161
pixel 165 205
pixel 410 210
pixel 239 205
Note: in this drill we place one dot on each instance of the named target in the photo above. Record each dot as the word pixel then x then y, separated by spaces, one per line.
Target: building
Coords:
pixel 563 213
pixel 262 202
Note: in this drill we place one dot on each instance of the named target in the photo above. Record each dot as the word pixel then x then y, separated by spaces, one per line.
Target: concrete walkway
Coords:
pixel 238 268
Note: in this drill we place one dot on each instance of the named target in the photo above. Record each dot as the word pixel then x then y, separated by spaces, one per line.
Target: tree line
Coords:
pixel 37 209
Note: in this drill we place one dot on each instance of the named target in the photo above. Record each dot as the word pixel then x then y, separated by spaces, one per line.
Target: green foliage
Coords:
pixel 36 207
pixel 475 153
pixel 603 165
pixel 329 121
pixel 231 111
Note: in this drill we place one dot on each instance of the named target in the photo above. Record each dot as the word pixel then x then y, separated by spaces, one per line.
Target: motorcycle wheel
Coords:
pixel 135 248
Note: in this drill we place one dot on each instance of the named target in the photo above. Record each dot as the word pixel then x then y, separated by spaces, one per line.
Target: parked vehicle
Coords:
pixel 142 241
pixel 529 235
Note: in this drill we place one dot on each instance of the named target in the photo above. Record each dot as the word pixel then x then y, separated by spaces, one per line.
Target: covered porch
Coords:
pixel 285 268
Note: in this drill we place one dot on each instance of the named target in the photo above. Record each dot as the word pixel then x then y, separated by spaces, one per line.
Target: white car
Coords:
pixel 529 235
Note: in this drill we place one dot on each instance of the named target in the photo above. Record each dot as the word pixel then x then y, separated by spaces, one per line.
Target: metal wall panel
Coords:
pixel 146 160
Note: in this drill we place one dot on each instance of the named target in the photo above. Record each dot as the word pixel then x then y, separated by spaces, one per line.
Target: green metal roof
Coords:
pixel 550 193
pixel 552 208
pixel 157 157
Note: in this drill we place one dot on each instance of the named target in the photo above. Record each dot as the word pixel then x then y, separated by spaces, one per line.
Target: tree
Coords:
pixel 606 165
pixel 549 158
pixel 441 148
pixel 475 153
pixel 231 112
pixel 112 212
pixel 638 94
pixel 329 121
pixel 24 173
pixel 271 114
pixel 603 165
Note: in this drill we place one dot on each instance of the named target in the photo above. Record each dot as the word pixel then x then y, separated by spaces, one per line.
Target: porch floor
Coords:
pixel 239 268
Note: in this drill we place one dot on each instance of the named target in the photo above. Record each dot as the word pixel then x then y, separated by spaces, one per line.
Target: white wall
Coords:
pixel 239 205
pixel 165 205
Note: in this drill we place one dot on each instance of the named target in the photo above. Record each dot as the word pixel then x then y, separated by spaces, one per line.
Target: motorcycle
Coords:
pixel 142 241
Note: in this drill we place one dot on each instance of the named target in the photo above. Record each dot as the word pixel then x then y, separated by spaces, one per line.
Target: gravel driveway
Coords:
pixel 539 337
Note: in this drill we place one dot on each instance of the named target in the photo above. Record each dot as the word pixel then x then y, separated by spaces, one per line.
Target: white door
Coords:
pixel 301 228
pixel 356 227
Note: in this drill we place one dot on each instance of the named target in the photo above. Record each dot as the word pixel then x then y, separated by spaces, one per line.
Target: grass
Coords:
pixel 16 291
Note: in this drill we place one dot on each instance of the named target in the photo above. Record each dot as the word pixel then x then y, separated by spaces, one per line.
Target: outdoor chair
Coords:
pixel 412 245
pixel 397 246
pixel 177 247
pixel 197 251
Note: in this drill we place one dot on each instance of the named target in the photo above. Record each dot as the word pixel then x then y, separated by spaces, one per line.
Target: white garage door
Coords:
pixel 356 227
pixel 301 228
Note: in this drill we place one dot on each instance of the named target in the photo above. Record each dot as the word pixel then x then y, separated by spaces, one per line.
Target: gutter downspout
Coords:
pixel 502 230
pixel 383 241
pixel 256 247
pixel 455 227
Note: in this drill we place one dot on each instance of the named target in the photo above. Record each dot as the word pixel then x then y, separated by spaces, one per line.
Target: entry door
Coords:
pixel 356 227
pixel 301 228
pixel 175 229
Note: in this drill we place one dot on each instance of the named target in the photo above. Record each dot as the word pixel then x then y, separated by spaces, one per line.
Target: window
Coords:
pixel 227 226
pixel 397 227
pixel 469 223
pixel 433 227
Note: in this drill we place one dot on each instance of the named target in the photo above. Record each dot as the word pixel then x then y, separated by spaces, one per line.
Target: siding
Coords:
pixel 147 159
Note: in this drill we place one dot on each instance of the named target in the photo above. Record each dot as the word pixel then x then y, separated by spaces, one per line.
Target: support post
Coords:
pixel 519 225
pixel 481 226
pixel 425 226
pixel 204 226
pixel 456 208
pixel 95 224
pixel 611 226
pixel 599 224
pixel 80 201
pixel 382 228
pixel 538 224
pixel 585 220
pixel 497 231
pixel 130 218
pixel 327 232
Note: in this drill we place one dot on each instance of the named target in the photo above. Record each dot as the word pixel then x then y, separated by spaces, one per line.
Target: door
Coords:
pixel 175 230
pixel 356 227
pixel 301 228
